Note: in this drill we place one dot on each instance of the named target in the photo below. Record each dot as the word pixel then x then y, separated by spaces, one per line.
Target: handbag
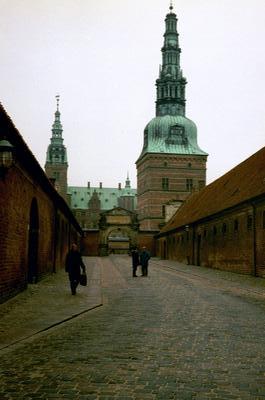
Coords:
pixel 83 279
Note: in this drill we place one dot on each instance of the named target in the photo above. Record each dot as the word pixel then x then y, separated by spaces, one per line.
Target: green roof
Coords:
pixel 80 196
pixel 171 134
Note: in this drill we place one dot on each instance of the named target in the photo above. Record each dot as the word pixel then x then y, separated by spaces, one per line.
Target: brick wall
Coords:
pixel 162 178
pixel 36 226
pixel 232 241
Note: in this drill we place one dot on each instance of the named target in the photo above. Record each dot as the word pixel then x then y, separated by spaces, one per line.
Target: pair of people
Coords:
pixel 140 259
pixel 73 265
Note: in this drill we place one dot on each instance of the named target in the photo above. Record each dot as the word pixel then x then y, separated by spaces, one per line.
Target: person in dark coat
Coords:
pixel 135 261
pixel 73 265
pixel 144 258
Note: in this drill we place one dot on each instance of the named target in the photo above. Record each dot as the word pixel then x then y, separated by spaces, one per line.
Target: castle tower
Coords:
pixel 171 164
pixel 56 159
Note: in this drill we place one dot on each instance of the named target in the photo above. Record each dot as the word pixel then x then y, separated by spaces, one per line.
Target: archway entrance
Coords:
pixel 33 242
pixel 118 242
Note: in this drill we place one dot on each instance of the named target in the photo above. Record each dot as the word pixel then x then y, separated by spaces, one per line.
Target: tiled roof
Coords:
pixel 80 196
pixel 244 182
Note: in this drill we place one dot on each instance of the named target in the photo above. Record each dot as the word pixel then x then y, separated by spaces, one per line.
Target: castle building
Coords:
pixel 88 202
pixel 56 159
pixel 171 164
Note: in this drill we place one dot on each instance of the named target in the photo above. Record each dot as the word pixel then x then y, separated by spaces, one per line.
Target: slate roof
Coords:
pixel 244 182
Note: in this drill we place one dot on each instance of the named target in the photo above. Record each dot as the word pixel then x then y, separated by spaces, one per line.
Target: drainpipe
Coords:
pixel 254 261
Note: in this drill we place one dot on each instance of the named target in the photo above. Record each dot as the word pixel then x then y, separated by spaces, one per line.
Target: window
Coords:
pixel 236 225
pixel 177 136
pixel 163 211
pixel 189 184
pixel 224 228
pixel 214 230
pixel 249 222
pixel 165 183
pixel 201 184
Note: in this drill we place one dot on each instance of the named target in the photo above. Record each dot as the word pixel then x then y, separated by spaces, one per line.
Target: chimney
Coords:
pixel 100 185
pixel 88 185
pixel 119 186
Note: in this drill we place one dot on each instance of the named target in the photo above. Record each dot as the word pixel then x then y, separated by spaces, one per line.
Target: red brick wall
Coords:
pixel 90 243
pixel 218 244
pixel 17 192
pixel 151 196
pixel 146 239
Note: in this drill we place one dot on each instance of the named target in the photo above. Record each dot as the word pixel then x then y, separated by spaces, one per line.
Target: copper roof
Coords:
pixel 244 182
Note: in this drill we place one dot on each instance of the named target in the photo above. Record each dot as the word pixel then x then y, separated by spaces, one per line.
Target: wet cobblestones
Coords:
pixel 178 334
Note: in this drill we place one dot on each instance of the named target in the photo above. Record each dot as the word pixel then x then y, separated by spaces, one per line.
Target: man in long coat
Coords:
pixel 73 265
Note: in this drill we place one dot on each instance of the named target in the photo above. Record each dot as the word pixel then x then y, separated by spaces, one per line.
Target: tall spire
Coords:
pixel 171 83
pixel 57 128
pixel 56 152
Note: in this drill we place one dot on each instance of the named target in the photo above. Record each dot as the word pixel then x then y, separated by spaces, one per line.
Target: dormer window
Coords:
pixel 177 135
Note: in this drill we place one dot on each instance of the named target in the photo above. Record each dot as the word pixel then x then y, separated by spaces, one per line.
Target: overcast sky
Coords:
pixel 103 56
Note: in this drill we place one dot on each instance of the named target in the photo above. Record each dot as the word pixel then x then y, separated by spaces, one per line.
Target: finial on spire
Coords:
pixel 57 100
pixel 171 6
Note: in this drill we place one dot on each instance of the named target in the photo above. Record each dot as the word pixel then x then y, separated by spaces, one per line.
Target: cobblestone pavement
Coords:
pixel 181 333
pixel 47 304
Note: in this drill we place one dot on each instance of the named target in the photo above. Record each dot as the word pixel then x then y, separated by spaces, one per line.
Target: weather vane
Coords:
pixel 171 5
pixel 57 99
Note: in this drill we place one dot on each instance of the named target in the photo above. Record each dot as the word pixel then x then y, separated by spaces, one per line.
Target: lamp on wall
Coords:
pixel 6 157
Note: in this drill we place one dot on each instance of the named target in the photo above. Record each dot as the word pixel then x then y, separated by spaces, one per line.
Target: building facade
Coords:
pixel 171 165
pixel 87 203
pixel 223 225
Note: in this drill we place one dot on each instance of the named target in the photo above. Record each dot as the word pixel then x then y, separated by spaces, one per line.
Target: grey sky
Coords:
pixel 103 56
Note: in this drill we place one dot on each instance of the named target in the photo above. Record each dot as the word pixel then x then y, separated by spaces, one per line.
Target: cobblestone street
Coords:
pixel 183 332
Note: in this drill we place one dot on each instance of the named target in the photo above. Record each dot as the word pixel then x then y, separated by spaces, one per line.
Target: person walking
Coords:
pixel 73 265
pixel 144 259
pixel 135 261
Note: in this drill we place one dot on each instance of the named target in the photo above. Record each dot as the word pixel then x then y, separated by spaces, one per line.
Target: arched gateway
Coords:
pixel 118 231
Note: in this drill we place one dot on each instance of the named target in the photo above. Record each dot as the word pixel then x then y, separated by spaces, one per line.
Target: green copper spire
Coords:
pixel 170 84
pixel 56 153
pixel 171 132
pixel 127 182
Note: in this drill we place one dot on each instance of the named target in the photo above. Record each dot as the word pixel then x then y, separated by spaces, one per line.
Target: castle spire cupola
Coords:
pixel 56 151
pixel 170 84
pixel 57 128
pixel 127 182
